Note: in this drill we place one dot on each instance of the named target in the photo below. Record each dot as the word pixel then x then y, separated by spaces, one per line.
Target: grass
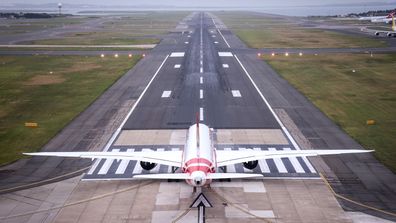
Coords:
pixel 29 92
pixel 135 28
pixel 350 98
pixel 259 31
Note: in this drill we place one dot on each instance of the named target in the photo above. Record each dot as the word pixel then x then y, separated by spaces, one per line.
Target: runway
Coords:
pixel 205 68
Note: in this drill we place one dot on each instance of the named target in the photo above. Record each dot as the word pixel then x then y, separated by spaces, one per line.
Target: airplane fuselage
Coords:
pixel 199 157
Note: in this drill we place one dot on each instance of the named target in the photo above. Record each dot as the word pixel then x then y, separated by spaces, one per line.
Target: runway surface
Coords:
pixel 205 68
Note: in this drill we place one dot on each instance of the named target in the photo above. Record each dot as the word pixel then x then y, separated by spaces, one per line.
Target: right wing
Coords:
pixel 226 157
pixel 170 158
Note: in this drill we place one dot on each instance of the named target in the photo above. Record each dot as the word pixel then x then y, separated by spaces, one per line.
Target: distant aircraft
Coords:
pixel 199 160
pixel 385 19
pixel 388 33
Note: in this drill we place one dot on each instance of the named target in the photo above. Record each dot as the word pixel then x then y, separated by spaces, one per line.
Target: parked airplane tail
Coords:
pixel 393 23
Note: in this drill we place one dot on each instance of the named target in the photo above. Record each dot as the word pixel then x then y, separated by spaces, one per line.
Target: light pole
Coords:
pixel 60 8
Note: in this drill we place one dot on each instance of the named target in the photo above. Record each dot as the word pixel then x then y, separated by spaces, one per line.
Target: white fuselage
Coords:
pixel 199 155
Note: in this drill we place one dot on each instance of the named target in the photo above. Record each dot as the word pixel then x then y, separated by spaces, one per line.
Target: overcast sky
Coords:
pixel 228 3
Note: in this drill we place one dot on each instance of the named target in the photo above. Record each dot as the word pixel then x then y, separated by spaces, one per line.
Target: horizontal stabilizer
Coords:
pixel 165 176
pixel 215 176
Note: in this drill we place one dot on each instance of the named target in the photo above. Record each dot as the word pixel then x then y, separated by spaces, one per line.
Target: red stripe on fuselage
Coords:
pixel 198 160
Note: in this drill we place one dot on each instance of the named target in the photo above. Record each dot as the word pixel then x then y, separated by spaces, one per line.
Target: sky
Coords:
pixel 283 7
pixel 205 3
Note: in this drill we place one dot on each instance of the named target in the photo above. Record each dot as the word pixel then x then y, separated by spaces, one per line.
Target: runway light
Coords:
pixel 51 72
pixel 259 54
pixel 316 54
pixel 273 54
pixel 102 55
pixel 300 54
pixel 353 71
pixel 143 55
pixel 130 55
pixel 116 55
pixel 287 54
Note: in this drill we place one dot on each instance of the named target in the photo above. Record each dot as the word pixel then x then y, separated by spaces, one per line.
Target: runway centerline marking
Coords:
pixel 201 94
pixel 225 65
pixel 269 106
pixel 177 66
pixel 201 114
pixel 166 94
pixel 201 80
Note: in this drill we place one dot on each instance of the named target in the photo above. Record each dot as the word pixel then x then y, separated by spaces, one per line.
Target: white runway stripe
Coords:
pixel 123 165
pixel 309 165
pixel 106 166
pixel 297 166
pixel 278 162
pixel 262 163
pixel 201 94
pixel 201 114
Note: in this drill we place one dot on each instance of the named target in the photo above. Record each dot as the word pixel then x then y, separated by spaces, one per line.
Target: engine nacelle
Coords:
pixel 377 33
pixel 147 165
pixel 251 164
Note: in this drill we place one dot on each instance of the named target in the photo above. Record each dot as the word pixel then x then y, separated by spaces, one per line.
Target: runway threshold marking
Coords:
pixel 269 106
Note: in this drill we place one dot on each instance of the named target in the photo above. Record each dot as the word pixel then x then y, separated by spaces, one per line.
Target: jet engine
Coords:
pixel 251 164
pixel 147 165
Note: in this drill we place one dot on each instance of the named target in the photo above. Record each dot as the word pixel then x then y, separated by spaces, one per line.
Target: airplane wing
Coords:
pixel 170 158
pixel 225 158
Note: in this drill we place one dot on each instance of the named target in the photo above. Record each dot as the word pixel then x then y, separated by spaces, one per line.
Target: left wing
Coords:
pixel 225 158
pixel 170 158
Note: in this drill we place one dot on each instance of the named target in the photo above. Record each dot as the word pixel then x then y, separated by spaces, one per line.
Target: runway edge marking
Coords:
pixel 269 106
pixel 114 136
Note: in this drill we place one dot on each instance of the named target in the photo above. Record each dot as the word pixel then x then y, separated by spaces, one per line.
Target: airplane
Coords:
pixel 388 33
pixel 199 160
pixel 375 19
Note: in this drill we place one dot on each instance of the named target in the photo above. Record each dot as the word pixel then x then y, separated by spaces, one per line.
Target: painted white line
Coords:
pixel 188 36
pixel 309 165
pixel 186 42
pixel 201 70
pixel 201 94
pixel 297 166
pixel 225 54
pixel 177 65
pixel 107 164
pixel 214 36
pixel 177 54
pixel 230 168
pixel 225 65
pixel 278 162
pixel 166 94
pixel 201 80
pixel 94 166
pixel 124 164
pixel 201 114
pixel 224 38
pixel 201 62
pixel 216 42
pixel 269 106
pixel 262 163
pixel 236 93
